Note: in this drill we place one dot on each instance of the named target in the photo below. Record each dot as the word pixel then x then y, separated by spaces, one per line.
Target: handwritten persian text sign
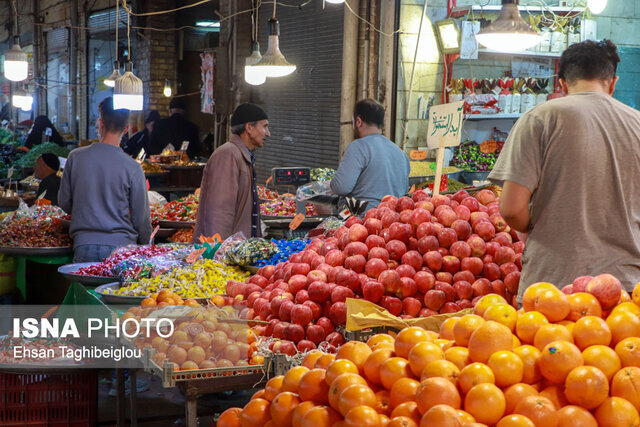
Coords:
pixel 445 122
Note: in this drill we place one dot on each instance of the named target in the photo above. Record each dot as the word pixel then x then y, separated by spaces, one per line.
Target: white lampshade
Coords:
pixel 273 62
pixel 22 99
pixel 335 1
pixel 115 75
pixel 596 6
pixel 509 33
pixel 128 91
pixel 251 75
pixel 16 66
pixel 167 88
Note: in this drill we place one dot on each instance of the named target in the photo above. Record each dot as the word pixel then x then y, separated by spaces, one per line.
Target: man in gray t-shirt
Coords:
pixel 372 166
pixel 569 171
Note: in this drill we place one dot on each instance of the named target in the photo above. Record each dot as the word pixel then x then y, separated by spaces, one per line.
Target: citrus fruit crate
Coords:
pixel 49 399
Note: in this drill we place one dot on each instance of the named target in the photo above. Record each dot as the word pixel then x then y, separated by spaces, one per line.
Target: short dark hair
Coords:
pixel 589 60
pixel 113 120
pixel 369 111
pixel 239 129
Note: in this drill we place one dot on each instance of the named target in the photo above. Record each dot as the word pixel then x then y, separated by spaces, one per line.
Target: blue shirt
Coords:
pixel 371 168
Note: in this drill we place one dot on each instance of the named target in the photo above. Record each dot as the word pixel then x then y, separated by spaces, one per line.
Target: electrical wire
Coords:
pixel 346 3
pixel 162 12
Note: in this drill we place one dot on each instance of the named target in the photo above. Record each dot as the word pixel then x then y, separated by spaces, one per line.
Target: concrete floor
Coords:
pixel 160 407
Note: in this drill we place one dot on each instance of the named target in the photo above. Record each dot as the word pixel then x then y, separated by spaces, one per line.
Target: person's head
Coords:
pixel 368 118
pixel 46 164
pixel 177 106
pixel 589 62
pixel 111 123
pixel 153 117
pixel 251 123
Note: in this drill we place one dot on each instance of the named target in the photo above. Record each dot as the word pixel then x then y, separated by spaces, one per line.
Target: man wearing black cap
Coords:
pixel 175 130
pixel 141 139
pixel 228 196
pixel 45 170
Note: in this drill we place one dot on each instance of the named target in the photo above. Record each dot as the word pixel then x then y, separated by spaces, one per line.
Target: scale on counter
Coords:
pixel 293 177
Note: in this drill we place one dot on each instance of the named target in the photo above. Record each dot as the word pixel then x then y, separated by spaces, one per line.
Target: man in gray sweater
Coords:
pixel 105 192
pixel 372 166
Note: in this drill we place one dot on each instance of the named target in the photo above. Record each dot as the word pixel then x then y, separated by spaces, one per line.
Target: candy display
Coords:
pixel 265 194
pixel 284 207
pixel 184 235
pixel 104 269
pixel 469 157
pixel 249 251
pixel 37 226
pixel 183 209
pixel 37 350
pixel 322 174
pixel 285 249
pixel 140 267
pixel 151 168
pixel 202 279
pixel 30 181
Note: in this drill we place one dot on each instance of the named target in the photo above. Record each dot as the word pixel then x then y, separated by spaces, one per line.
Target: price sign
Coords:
pixel 10 172
pixel 346 213
pixel 185 145
pixel 153 233
pixel 141 156
pixel 268 180
pixel 296 221
pixel 417 154
pixel 412 189
pixel 445 123
pixel 194 255
pixel 444 181
pixel 489 146
pixel 213 239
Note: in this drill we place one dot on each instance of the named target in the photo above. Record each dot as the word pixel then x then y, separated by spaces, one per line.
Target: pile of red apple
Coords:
pixel 416 256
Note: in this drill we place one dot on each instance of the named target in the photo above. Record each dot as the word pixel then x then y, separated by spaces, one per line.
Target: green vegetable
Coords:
pixel 29 159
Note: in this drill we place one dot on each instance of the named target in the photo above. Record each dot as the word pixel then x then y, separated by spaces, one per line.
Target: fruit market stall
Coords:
pixel 181 174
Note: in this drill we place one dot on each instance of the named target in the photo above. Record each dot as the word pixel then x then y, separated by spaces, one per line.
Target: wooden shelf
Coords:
pixel 550 55
pixel 492 116
pixel 532 9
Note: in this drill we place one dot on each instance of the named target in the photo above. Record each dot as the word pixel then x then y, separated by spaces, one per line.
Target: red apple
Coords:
pixel 419 216
pixel 315 262
pixel 425 281
pixel 356 248
pixel 333 274
pixel 464 304
pixel 447 236
pixel 408 288
pixel 580 283
pixel 446 216
pixel 460 195
pixel 305 345
pixel 512 280
pixel 371 213
pixel 374 241
pixel 481 287
pixel 411 306
pixel 485 197
pixel 316 309
pixel 450 307
pixel 285 310
pixel 373 226
pixel 315 334
pixel 444 277
pixel 340 294
pixel 315 276
pixel 607 290
pixel 470 203
pixel 464 276
pixel 491 271
pixel 413 244
pixel 294 332
pixel 297 283
pixel 319 292
pixel 392 304
pixel 302 296
pixel 396 249
pixel 498 222
pixel 380 253
pixel 325 268
pixel 335 258
pixel 419 195
pixel 450 264
pixel 405 217
pixel 506 268
pixel 492 248
pixel 278 329
pixel 348 278
pixel 460 250
pixel 472 264
pixel 478 216
pixel 498 287
pixel 518 247
pixel 463 213
pixel 504 254
pixel 503 238
pixel 426 312
pixel 404 203
pixel 412 258
pixel 428 243
pixel 434 299
pixel 373 291
pixel 338 313
pixel 301 314
pixel 358 233
pixel 335 339
pixel 326 324
pixel 389 219
pixel 440 200
pixel 355 263
pixel 390 279
pixel 462 229
pixel 433 260
pixel 477 245
pixel 399 231
pixel 463 290
pixel 567 289
pixel 484 229
pixel 450 293
pixel 374 267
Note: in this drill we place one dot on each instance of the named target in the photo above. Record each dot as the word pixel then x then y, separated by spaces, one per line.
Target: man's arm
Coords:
pixel 348 171
pixel 514 206
pixel 139 207
pixel 65 200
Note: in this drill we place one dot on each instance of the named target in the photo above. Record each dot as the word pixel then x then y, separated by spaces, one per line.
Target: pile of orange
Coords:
pixel 165 298
pixel 555 362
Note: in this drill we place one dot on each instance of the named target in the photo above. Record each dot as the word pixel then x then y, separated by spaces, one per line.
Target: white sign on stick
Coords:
pixel 445 122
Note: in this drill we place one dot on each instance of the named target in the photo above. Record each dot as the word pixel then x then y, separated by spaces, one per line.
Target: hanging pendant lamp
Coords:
pixel 166 91
pixel 252 75
pixel 127 92
pixel 509 33
pixel 16 67
pixel 273 62
pixel 22 99
pixel 111 80
pixel 596 6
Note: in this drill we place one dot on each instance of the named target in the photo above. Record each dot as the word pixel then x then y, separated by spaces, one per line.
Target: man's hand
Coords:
pixel 514 206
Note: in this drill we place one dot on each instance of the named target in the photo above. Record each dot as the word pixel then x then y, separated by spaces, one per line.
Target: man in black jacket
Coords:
pixel 175 130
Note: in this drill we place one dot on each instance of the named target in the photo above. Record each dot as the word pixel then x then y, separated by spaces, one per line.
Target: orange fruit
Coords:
pixel 516 341
pixel 515 420
pixel 603 358
pixel 626 306
pixel 465 327
pixel 392 370
pixel 446 328
pixel 635 295
pixel 299 411
pixel 230 418
pixel 355 351
pixel 538 409
pixel 555 393
pixel 380 338
pixel 441 368
pixel 324 361
pixel 408 410
pixel 465 417
pixel 474 374
pixel 529 356
pixel 549 333
pixel 292 378
pixel 309 360
pixel 487 301
pixel 591 330
pixel 616 412
pixel 583 304
pixel 444 344
pixel 529 295
pixel 258 394
pixel 440 416
pixel 629 351
pixel 255 413
pixel 487 339
pixel 355 395
pixel 486 403
pixel 361 416
pixel 372 365
pixel 625 296
pixel 282 408
pixel 273 387
pixel 623 324
pixel 557 359
pixel 402 422
pixel 383 402
pixel 341 383
pixel 528 324
pixel 507 367
pixel 436 391
pixel 502 313
pixel 515 393
pixel 421 355
pixel 567 324
pixel 313 386
pixel 319 416
pixel 339 367
pixel 575 416
pixel 459 356
pixel 626 384
pixel 403 390
pixel 407 338
pixel 586 386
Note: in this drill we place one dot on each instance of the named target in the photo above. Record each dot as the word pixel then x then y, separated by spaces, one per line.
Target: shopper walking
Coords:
pixel 569 176
pixel 372 166
pixel 105 192
pixel 228 195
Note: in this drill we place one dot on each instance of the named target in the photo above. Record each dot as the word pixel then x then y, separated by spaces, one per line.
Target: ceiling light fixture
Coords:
pixel 252 75
pixel 22 99
pixel 16 67
pixel 115 75
pixel 167 88
pixel 208 24
pixel 509 33
pixel 273 62
pixel 335 1
pixel 596 6
pixel 128 90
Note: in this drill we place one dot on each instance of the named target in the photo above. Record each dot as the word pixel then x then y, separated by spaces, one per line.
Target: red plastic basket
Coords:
pixel 50 400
